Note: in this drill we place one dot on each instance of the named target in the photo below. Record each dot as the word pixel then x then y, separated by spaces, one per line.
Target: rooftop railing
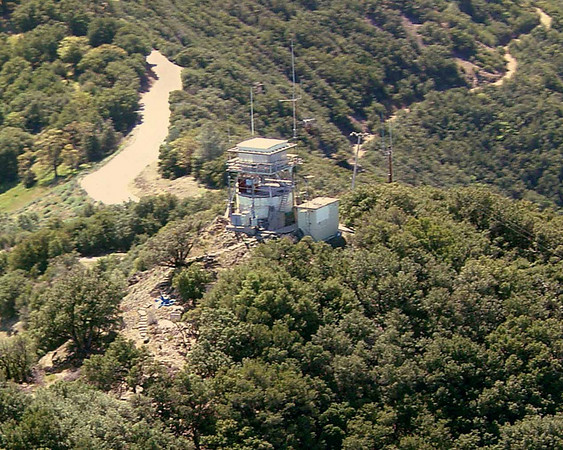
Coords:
pixel 237 165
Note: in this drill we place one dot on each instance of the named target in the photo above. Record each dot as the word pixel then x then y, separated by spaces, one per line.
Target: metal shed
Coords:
pixel 318 218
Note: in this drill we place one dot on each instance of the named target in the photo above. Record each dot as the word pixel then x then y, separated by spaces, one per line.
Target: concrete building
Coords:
pixel 261 186
pixel 318 218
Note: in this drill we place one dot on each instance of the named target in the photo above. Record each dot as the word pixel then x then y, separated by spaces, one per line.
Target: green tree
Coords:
pixel 173 243
pixel 265 406
pixel 13 402
pixel 191 283
pixel 73 415
pixel 102 30
pixel 33 252
pixel 17 356
pixel 187 405
pixel 212 144
pixel 72 48
pixel 98 58
pixel 122 363
pixel 25 168
pixel 52 149
pixel 81 306
pixel 532 433
pixel 13 142
pixel 14 286
pixel 75 15
pixel 37 428
pixel 29 15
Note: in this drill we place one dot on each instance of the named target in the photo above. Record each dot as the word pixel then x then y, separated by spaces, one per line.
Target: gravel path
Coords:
pixel 111 183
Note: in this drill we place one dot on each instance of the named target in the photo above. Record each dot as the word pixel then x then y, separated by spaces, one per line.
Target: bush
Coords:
pixel 120 364
pixel 13 286
pixel 191 283
pixel 17 356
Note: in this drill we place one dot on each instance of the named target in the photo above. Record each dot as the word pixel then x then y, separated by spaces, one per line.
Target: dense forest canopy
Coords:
pixel 69 83
pixel 510 136
pixel 356 64
pixel 436 324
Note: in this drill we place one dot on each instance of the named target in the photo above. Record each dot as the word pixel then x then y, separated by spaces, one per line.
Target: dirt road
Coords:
pixel 511 66
pixel 545 19
pixel 111 183
pixel 511 62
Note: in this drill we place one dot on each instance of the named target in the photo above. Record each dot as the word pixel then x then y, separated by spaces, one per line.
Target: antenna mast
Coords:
pixel 390 155
pixel 293 89
pixel 251 111
pixel 293 98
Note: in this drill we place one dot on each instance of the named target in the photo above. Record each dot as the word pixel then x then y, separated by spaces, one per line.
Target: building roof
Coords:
pixel 261 143
pixel 262 146
pixel 317 203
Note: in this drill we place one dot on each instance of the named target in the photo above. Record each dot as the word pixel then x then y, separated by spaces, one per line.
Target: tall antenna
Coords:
pixel 251 111
pixel 387 149
pixel 390 155
pixel 293 98
pixel 293 89
pixel 258 86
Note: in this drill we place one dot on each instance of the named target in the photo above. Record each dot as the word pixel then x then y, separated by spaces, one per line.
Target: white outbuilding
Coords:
pixel 318 218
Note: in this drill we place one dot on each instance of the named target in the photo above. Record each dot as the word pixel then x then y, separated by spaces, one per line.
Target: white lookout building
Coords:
pixel 261 186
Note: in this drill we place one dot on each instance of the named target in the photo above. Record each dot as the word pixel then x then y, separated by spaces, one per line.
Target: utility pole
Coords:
pixel 359 136
pixel 390 156
pixel 387 150
pixel 308 190
pixel 293 99
pixel 228 126
pixel 293 89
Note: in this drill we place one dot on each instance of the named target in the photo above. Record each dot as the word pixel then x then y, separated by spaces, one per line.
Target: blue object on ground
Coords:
pixel 165 301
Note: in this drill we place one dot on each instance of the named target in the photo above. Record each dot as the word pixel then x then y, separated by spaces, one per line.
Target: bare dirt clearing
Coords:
pixel 511 66
pixel 110 183
pixel 149 182
pixel 153 327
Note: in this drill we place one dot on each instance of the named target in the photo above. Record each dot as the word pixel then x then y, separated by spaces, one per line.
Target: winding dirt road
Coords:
pixel 545 19
pixel 511 62
pixel 112 183
pixel 511 66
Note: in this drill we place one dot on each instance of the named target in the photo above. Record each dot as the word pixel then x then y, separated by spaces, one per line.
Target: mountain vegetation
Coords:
pixel 69 83
pixel 510 136
pixel 357 64
pixel 436 324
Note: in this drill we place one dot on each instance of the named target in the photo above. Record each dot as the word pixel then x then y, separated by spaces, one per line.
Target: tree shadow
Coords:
pixel 6 186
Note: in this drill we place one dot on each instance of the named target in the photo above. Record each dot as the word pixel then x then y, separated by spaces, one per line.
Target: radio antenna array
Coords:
pixel 293 99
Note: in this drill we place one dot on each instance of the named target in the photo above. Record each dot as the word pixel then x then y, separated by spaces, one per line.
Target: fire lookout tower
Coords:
pixel 261 187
